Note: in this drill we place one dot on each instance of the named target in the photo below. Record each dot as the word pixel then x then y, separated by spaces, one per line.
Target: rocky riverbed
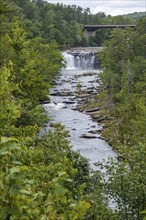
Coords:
pixel 74 104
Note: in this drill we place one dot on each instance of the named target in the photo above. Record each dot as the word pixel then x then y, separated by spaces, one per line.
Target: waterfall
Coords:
pixel 85 60
pixel 69 60
pixel 80 60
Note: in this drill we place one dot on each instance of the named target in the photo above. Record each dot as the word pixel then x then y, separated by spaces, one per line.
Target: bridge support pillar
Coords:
pixel 88 34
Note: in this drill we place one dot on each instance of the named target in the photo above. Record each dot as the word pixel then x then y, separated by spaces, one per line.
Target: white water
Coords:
pixel 78 124
pixel 69 60
pixel 79 60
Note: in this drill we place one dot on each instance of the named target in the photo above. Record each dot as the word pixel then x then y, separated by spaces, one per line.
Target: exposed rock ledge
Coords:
pixel 85 49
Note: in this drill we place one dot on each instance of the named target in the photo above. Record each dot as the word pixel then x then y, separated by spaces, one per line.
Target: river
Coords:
pixel 62 108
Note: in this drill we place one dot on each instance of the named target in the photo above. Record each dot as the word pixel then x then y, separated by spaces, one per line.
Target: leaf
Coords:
pixel 2 152
pixel 6 139
pixel 15 189
pixel 14 170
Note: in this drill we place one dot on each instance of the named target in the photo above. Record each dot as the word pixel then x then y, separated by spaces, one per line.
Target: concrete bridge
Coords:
pixel 90 29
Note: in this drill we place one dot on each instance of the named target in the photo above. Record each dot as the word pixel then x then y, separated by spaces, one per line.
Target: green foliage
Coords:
pixel 37 176
pixel 40 177
pixel 63 23
pixel 123 82
pixel 10 109
pixel 126 181
pixel 123 96
pixel 33 187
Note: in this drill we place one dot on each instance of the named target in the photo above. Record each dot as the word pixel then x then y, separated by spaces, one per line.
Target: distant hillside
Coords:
pixel 135 15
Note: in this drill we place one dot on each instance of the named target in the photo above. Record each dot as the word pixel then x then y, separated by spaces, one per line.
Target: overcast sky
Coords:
pixel 112 7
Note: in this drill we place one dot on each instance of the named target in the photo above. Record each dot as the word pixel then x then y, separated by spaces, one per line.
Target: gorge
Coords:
pixel 84 133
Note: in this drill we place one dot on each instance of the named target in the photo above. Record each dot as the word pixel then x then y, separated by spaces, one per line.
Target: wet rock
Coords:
pixel 88 136
pixel 73 82
pixel 91 87
pixel 97 80
pixel 93 126
pixel 93 132
pixel 44 101
pixel 75 109
pixel 98 164
pixel 69 102
pixel 54 93
pixel 91 81
pixel 100 131
pixel 73 99
pixel 65 94
pixel 101 138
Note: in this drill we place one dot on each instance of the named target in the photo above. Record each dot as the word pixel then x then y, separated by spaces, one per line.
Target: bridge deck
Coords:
pixel 95 27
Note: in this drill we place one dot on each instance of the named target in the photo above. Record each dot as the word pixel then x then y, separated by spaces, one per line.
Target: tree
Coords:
pixel 126 182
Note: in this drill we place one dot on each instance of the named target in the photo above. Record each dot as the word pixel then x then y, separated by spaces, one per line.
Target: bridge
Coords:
pixel 90 29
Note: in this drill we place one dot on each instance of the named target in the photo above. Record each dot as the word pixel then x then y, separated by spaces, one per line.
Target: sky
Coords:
pixel 110 7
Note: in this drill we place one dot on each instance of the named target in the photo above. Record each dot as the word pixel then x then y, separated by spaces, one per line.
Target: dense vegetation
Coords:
pixel 41 178
pixel 62 23
pixel 135 15
pixel 123 97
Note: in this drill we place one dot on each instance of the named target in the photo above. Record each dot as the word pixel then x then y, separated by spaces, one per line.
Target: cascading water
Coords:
pixel 69 60
pixel 80 60
pixel 84 60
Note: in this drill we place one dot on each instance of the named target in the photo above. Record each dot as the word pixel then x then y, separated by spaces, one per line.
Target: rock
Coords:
pixel 73 82
pixel 94 92
pixel 88 136
pixel 91 88
pixel 92 110
pixel 93 132
pixel 97 80
pixel 75 109
pixel 101 138
pixel 98 164
pixel 86 95
pixel 73 99
pixel 54 93
pixel 98 118
pixel 69 102
pixel 121 157
pixel 44 101
pixel 92 114
pixel 100 131
pixel 65 94
pixel 91 81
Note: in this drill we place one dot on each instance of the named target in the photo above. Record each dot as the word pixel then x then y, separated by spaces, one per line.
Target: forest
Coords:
pixel 41 177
